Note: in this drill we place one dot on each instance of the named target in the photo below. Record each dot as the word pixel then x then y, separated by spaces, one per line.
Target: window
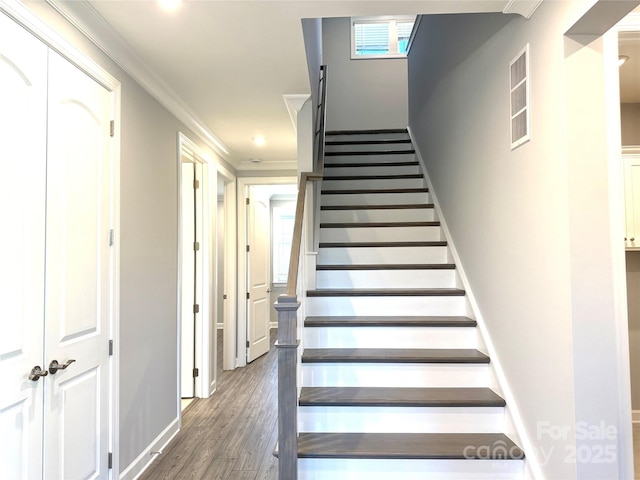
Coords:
pixel 282 218
pixel 381 37
pixel 519 94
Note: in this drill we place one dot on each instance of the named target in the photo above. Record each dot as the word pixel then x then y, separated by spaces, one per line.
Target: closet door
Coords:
pixel 23 116
pixel 78 277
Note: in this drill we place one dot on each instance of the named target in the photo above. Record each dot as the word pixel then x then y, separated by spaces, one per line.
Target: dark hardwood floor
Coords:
pixel 232 434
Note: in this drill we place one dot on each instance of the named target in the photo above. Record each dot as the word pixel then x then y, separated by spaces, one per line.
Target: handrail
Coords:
pixel 316 175
pixel 287 308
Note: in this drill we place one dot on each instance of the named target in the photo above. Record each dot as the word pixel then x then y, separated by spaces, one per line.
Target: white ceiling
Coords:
pixel 223 66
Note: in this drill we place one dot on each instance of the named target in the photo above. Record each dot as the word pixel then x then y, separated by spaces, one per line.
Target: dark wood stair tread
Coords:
pixel 348 153
pixel 373 177
pixel 394 266
pixel 434 243
pixel 398 206
pixel 367 132
pixel 386 292
pixel 374 191
pixel 393 355
pixel 371 164
pixel 367 142
pixel 408 446
pixel 379 224
pixel 389 321
pixel 399 397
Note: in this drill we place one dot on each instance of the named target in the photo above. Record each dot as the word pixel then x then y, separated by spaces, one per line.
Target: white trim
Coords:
pixel 631 150
pixel 294 104
pixel 267 165
pixel 630 23
pixel 243 184
pixel 382 19
pixel 526 8
pixel 635 416
pixel 149 454
pixel 512 413
pixel 273 325
pixel 89 22
pixel 24 17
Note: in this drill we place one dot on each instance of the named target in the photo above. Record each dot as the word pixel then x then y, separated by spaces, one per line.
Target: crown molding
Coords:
pixel 526 8
pixel 91 24
pixel 267 165
pixel 294 103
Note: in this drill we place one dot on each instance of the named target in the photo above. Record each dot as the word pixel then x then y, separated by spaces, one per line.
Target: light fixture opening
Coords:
pixel 259 140
pixel 169 5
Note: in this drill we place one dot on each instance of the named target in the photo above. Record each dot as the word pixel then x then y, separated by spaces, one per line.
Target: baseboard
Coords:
pixel 512 413
pixel 635 416
pixel 145 459
pixel 273 324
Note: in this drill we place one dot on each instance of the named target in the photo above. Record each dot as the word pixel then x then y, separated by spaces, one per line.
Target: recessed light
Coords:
pixel 622 59
pixel 169 5
pixel 255 160
pixel 259 140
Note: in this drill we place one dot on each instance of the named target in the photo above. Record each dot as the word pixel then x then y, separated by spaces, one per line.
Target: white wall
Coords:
pixel 518 218
pixel 148 400
pixel 362 94
pixel 630 117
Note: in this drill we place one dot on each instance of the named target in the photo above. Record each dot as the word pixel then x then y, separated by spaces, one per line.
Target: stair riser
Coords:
pixel 387 306
pixel 394 375
pixel 376 215
pixel 340 419
pixel 364 147
pixel 367 136
pixel 375 183
pixel 356 469
pixel 370 158
pixel 380 234
pixel 386 279
pixel 371 170
pixel 379 255
pixel 390 337
pixel 376 199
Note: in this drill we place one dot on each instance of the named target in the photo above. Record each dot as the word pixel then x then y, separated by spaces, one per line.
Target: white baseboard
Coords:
pixel 145 459
pixel 273 324
pixel 635 416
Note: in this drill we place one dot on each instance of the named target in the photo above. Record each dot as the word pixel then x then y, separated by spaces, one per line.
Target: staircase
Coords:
pixel 394 382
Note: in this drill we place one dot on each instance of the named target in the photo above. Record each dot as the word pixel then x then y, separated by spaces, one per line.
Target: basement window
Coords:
pixel 381 37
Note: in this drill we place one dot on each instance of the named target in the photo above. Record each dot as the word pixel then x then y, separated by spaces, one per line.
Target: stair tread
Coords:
pixel 408 446
pixel 406 397
pixel 348 153
pixel 434 243
pixel 391 321
pixel 379 224
pixel 386 292
pixel 393 355
pixel 374 191
pixel 367 142
pixel 390 266
pixel 373 177
pixel 372 164
pixel 373 131
pixel 397 206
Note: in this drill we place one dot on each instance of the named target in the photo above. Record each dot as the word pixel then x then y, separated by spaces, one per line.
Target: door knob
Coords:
pixel 36 373
pixel 54 366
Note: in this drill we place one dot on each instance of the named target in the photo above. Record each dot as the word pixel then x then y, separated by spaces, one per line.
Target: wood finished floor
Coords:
pixel 232 434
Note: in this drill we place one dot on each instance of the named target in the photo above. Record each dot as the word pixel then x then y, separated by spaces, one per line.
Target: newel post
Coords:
pixel 287 345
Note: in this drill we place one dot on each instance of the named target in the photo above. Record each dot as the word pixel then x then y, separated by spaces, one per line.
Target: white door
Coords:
pixel 23 117
pixel 78 286
pixel 258 276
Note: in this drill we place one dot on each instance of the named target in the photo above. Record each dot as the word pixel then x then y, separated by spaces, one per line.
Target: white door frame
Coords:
pixel 243 184
pixel 23 16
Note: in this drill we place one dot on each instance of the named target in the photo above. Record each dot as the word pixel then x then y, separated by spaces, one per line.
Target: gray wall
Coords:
pixel 630 113
pixel 148 388
pixel 633 298
pixel 362 94
pixel 312 33
pixel 519 218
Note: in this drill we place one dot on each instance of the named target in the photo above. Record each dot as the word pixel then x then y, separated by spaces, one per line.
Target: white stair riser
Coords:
pixel 373 183
pixel 370 170
pixel 368 147
pixel 366 136
pixel 381 158
pixel 391 375
pixel 380 234
pixel 376 198
pixel 385 279
pixel 390 337
pixel 386 306
pixel 405 469
pixel 376 255
pixel 378 215
pixel 340 419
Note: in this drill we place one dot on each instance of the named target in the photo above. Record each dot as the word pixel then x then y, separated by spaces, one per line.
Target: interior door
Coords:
pixel 258 276
pixel 23 117
pixel 78 287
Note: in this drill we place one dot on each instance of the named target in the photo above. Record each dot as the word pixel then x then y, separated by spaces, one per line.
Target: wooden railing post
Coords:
pixel 287 345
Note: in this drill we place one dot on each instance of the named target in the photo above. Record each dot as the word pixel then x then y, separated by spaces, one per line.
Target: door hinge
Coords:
pixel 110 461
pixel 248 201
pixel 110 347
pixel 248 343
pixel 111 237
pixel 196 308
pixel 196 372
pixel 248 295
pixel 196 184
pixel 196 246
pixel 224 296
pixel 112 128
pixel 248 248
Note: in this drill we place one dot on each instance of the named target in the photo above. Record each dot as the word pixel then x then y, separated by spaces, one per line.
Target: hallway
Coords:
pixel 232 434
